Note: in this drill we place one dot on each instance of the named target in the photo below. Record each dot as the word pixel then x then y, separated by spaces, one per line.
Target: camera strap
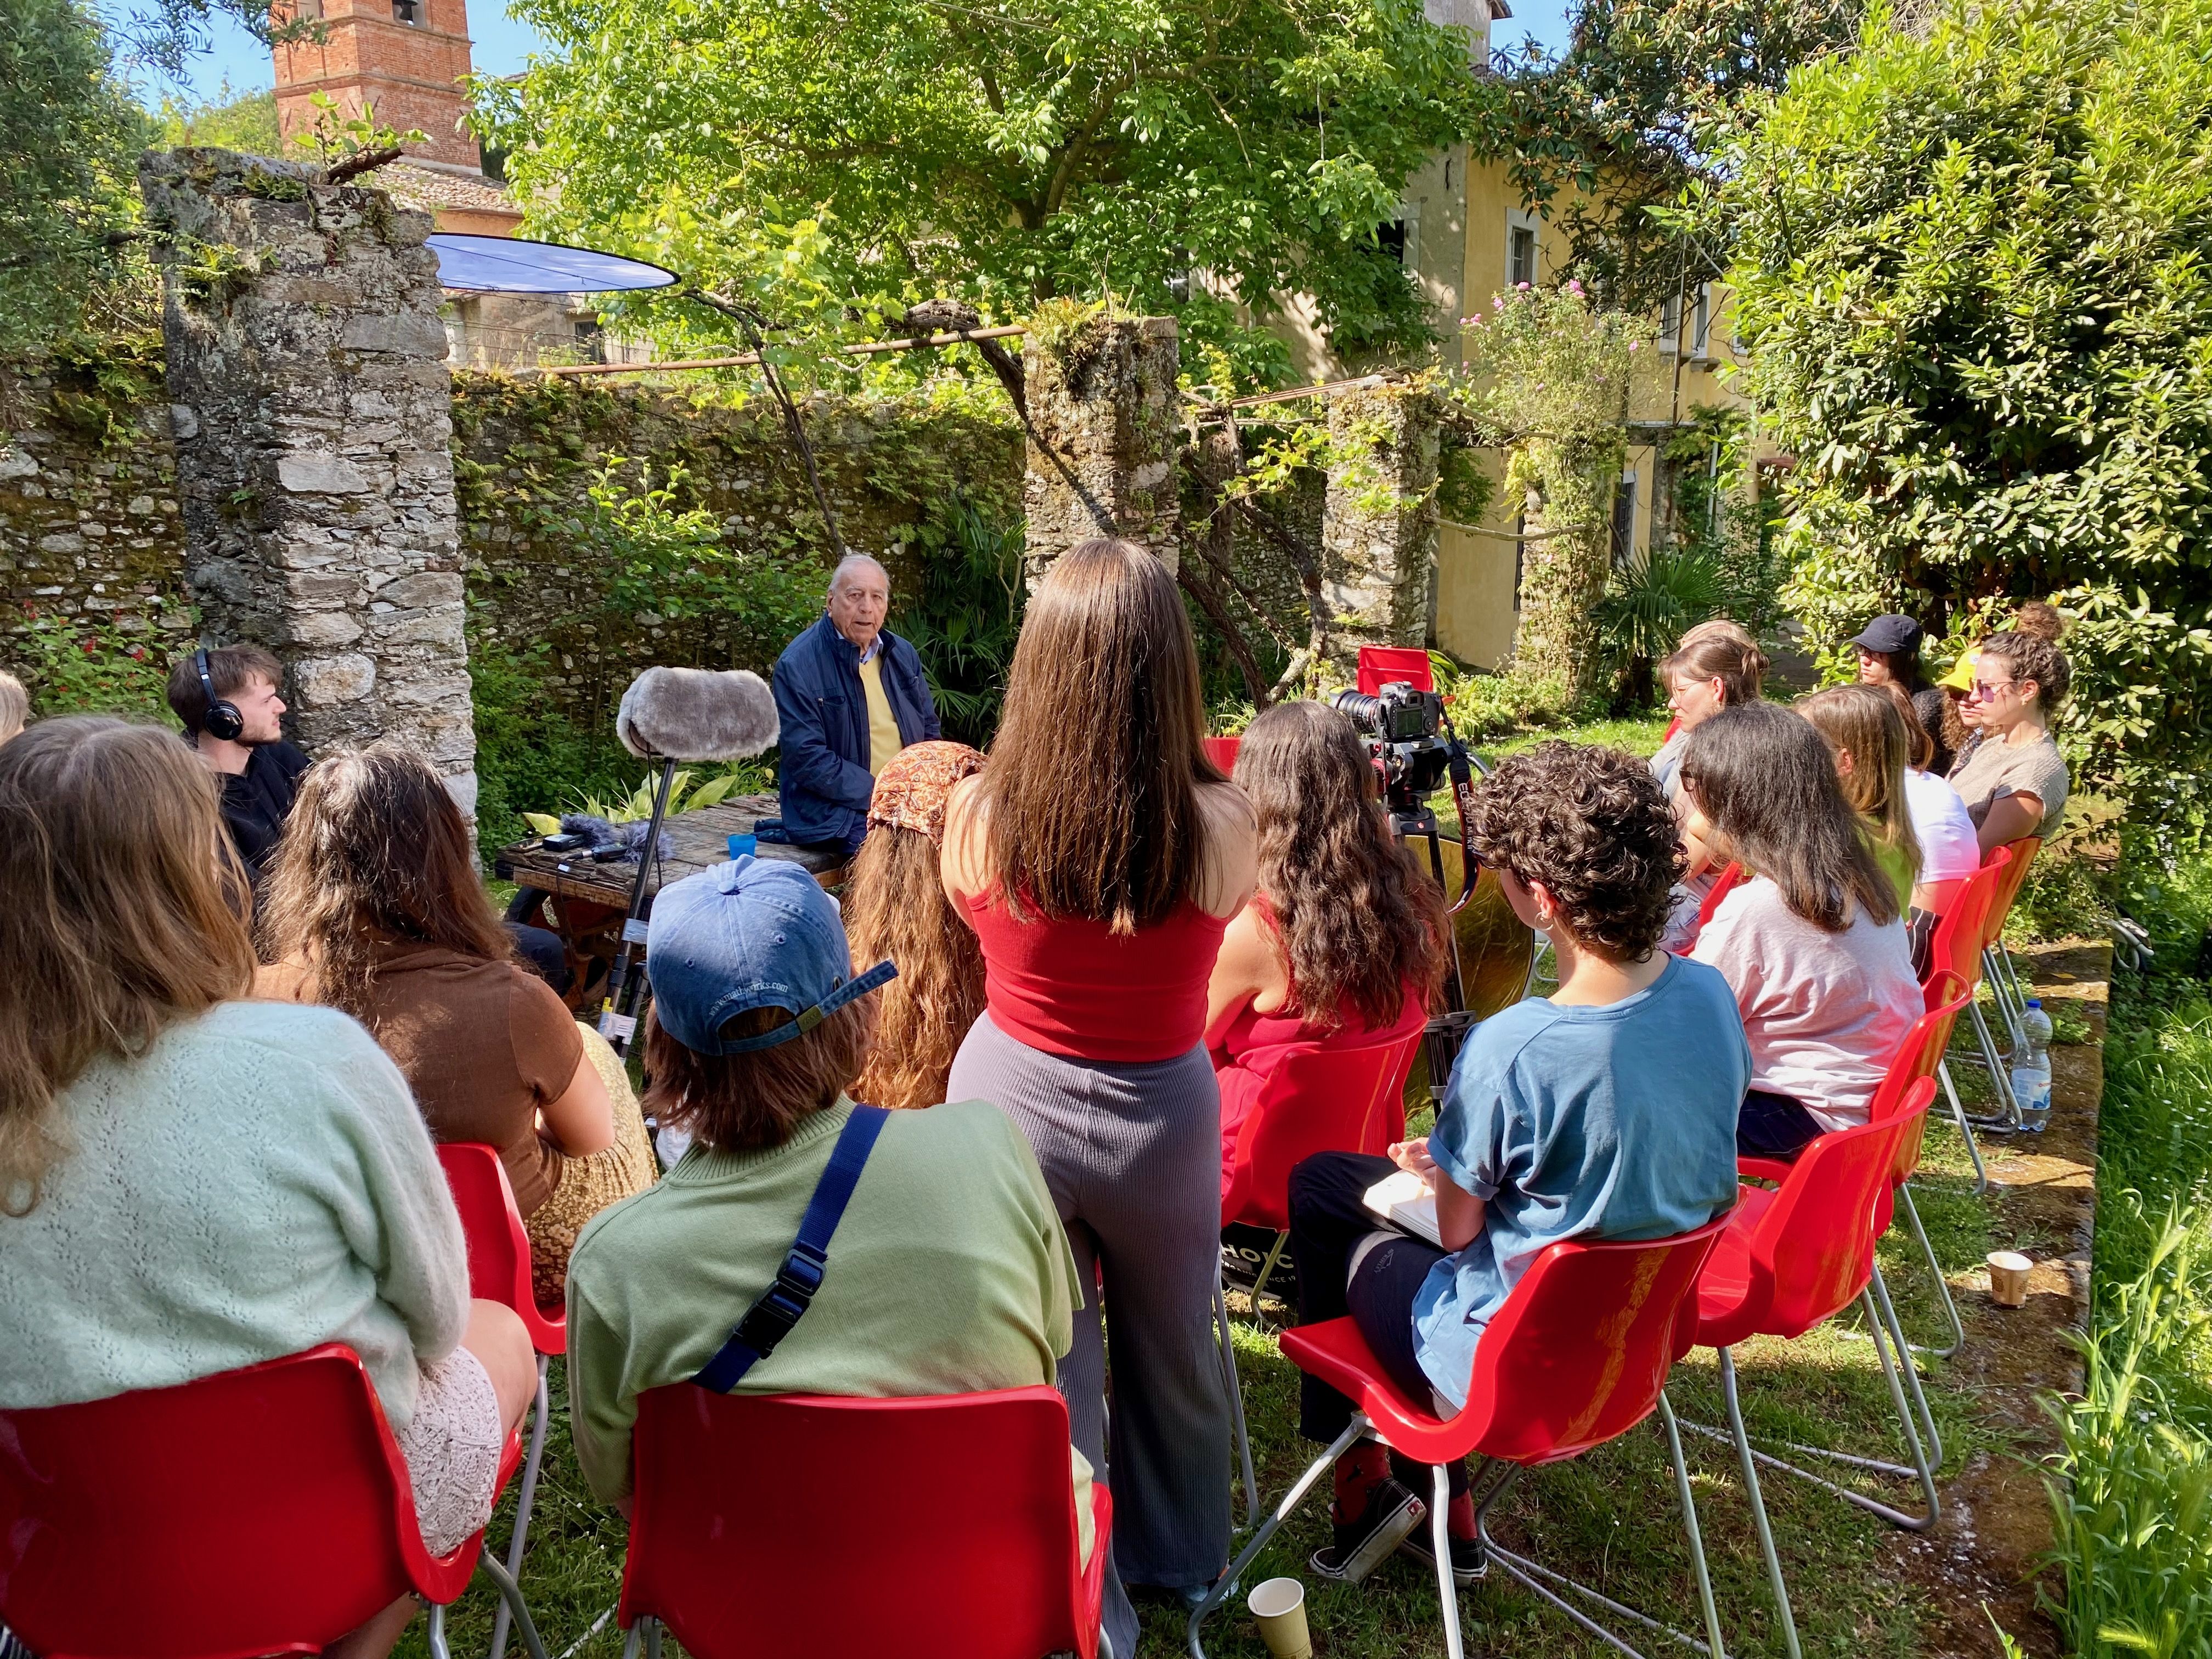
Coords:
pixel 780 1306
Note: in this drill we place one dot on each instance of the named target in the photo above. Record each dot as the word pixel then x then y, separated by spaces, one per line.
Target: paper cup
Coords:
pixel 1279 1608
pixel 2009 1278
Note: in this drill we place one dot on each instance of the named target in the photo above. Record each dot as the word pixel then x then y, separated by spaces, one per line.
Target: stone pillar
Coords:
pixel 314 417
pixel 1102 439
pixel 1378 529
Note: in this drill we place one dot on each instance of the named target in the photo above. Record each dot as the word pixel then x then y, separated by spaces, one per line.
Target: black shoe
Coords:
pixel 1468 1562
pixel 1364 1545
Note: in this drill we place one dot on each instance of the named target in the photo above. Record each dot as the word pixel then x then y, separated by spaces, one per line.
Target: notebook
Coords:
pixel 1402 1199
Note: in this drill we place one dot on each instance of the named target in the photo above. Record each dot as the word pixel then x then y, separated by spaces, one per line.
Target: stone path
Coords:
pixel 1996 1529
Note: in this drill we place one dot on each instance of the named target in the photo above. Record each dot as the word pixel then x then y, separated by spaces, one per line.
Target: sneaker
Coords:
pixel 1364 1545
pixel 1468 1561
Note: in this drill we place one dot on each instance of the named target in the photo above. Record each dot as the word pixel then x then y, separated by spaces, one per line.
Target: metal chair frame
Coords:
pixel 1236 1393
pixel 500 1270
pixel 1873 1296
pixel 1496 1474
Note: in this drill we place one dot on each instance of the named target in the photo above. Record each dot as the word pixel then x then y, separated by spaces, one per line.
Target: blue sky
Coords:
pixel 504 45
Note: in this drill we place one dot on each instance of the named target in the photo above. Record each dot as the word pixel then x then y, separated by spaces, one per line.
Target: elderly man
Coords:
pixel 850 696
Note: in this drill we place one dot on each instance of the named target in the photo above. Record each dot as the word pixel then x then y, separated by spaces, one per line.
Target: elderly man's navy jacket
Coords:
pixel 823 775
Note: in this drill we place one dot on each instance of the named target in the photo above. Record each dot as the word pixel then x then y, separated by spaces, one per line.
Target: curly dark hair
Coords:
pixel 2032 656
pixel 1355 916
pixel 1593 826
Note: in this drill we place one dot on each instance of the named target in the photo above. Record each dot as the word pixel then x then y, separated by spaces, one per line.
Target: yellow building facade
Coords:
pixel 1466 234
pixel 1681 368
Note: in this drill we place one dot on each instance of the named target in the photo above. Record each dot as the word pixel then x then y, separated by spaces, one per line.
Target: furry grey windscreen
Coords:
pixel 693 714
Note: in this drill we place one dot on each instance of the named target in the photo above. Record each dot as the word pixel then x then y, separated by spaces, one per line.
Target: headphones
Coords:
pixel 221 720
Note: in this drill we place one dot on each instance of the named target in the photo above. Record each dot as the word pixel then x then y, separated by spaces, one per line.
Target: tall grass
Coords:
pixel 2135 1520
pixel 2133 1486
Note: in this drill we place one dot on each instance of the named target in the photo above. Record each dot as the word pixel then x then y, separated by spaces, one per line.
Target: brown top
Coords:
pixel 484 1045
pixel 1990 770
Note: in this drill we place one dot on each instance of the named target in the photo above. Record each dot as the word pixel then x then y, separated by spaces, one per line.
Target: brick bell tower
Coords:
pixel 408 57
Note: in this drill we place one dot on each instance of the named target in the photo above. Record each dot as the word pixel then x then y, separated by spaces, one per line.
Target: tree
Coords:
pixel 165 35
pixel 1974 276
pixel 244 121
pixel 1547 380
pixel 872 154
pixel 69 137
pixel 1647 95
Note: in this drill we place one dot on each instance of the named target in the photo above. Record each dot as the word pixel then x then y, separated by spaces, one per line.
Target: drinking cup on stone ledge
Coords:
pixel 2008 1271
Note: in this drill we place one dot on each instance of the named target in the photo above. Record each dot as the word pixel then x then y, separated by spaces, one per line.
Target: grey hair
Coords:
pixel 852 559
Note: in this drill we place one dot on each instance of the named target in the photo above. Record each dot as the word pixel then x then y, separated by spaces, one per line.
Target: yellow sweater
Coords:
pixel 883 725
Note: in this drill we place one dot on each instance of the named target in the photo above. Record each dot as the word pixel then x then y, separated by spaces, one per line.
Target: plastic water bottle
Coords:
pixel 2031 1068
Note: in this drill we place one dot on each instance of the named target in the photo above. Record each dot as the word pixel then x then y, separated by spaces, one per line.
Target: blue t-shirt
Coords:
pixel 1613 1123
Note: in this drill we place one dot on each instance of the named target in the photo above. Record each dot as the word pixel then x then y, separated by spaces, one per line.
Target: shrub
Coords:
pixel 1973 271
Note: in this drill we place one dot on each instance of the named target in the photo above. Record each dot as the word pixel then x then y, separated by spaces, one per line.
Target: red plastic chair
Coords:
pixel 1382 665
pixel 1577 1357
pixel 742 1541
pixel 263 1510
pixel 1960 946
pixel 1792 1258
pixel 499 1271
pixel 1996 961
pixel 1321 1098
pixel 1918 1054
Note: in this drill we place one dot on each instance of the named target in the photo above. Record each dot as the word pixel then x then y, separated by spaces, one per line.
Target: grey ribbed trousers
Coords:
pixel 1132 1153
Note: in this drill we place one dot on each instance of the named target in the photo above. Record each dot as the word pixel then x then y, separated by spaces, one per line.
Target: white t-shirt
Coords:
pixel 1949 851
pixel 1825 1012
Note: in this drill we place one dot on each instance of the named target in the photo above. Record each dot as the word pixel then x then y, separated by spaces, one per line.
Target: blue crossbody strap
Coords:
pixel 769 1320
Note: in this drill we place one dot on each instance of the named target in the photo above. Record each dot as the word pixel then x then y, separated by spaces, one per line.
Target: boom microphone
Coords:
pixel 695 714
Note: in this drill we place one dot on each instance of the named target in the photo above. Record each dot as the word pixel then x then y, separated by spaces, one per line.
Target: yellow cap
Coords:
pixel 1961 676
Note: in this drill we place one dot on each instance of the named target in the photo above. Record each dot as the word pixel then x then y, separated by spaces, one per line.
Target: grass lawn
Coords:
pixel 1609 1519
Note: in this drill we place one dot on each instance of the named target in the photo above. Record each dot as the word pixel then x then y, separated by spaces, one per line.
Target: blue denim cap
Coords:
pixel 749 933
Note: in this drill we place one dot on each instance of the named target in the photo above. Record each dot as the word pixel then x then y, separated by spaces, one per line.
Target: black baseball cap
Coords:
pixel 1888 634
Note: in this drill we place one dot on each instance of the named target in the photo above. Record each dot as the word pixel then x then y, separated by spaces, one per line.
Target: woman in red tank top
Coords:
pixel 1098 856
pixel 1343 940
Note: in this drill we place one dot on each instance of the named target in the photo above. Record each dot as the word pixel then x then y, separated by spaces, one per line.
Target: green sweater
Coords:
pixel 258 1181
pixel 949 1274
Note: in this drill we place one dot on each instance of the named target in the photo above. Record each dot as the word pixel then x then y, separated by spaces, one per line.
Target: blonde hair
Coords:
pixel 15 706
pixel 895 907
pixel 1859 721
pixel 120 920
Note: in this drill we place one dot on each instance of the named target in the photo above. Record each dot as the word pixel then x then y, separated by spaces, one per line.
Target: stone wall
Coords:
pixel 91 530
pixel 305 363
pixel 527 453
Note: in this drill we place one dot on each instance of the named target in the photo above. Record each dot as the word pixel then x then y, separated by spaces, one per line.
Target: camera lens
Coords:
pixel 1365 711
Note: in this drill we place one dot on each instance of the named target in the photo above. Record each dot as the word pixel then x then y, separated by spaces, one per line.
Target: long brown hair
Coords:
pixel 896 906
pixel 1724 650
pixel 375 853
pixel 1919 744
pixel 115 924
pixel 1859 721
pixel 1355 917
pixel 1765 780
pixel 1090 800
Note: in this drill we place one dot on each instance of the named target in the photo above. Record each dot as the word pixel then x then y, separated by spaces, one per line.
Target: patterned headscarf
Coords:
pixel 912 791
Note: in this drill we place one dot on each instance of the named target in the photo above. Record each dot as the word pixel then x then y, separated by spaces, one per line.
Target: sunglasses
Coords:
pixel 1985 690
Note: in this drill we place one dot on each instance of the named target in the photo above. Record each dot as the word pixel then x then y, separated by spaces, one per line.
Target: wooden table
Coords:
pixel 586 902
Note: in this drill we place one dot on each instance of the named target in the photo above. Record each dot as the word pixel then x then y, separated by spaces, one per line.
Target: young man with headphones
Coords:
pixel 226 697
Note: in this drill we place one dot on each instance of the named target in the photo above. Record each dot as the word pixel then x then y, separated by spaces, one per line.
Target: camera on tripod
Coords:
pixel 1403 725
